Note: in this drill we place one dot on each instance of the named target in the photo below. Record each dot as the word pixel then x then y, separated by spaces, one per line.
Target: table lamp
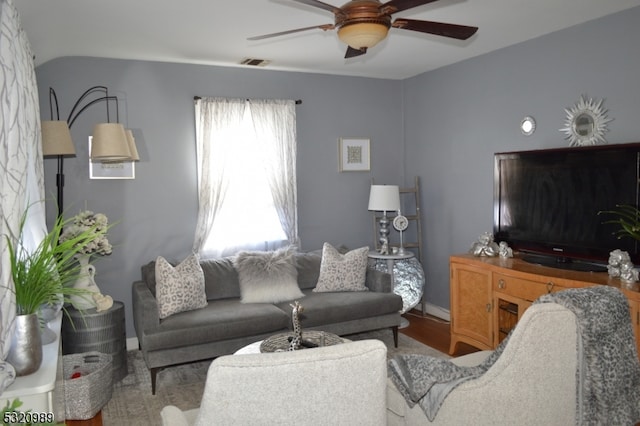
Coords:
pixel 384 198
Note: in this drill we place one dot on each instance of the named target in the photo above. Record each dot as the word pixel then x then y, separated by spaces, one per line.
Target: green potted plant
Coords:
pixel 628 218
pixel 42 276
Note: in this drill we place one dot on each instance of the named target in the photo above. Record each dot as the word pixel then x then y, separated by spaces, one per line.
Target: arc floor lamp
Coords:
pixel 111 141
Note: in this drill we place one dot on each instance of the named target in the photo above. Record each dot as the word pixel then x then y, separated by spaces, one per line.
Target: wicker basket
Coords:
pixel 87 394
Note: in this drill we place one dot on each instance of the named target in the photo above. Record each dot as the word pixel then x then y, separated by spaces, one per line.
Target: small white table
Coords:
pixel 38 391
pixel 314 336
pixel 253 348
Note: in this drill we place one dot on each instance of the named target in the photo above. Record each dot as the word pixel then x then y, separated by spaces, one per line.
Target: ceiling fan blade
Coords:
pixel 321 5
pixel 352 53
pixel 394 6
pixel 324 27
pixel 461 32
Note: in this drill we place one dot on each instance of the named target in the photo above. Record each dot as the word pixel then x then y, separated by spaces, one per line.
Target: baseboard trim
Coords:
pixel 433 310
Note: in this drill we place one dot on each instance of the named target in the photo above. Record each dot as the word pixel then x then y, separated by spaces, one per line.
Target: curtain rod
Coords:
pixel 298 101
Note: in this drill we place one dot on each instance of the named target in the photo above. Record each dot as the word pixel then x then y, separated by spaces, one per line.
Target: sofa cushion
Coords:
pixel 342 272
pixel 267 277
pixel 220 278
pixel 179 288
pixel 220 320
pixel 308 265
pixel 330 308
pixel 148 272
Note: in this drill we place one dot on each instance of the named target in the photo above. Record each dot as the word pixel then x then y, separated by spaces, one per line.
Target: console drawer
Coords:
pixel 521 288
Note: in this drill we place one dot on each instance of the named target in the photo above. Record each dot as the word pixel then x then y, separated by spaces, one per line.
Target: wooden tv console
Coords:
pixel 489 295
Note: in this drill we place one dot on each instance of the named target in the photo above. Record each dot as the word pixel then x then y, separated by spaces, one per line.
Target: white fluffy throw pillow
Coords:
pixel 267 277
pixel 179 288
pixel 342 272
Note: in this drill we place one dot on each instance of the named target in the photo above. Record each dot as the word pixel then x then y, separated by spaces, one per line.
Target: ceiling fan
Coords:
pixel 362 24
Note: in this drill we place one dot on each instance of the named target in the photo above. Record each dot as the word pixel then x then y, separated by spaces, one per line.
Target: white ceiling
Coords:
pixel 215 32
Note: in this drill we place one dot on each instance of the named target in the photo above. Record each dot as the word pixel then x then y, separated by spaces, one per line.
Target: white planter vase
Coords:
pixel 85 281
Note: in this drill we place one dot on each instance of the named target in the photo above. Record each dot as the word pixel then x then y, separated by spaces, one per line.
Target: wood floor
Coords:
pixel 433 332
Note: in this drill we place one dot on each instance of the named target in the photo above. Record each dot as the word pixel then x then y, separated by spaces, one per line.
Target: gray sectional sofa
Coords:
pixel 225 324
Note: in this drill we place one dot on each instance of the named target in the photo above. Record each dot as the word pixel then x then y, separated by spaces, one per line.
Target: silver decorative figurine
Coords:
pixel 485 246
pixel 504 250
pixel 620 266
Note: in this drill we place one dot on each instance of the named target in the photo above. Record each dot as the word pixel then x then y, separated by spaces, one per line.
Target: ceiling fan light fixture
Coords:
pixel 364 34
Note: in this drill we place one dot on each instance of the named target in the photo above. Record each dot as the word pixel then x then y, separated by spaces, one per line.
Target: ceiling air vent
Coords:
pixel 255 62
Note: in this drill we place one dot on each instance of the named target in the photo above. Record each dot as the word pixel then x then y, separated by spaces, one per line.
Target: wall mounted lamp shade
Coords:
pixel 110 143
pixel 56 139
pixel 364 34
pixel 384 198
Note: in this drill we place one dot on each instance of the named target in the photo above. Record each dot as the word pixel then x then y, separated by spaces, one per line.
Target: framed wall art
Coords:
pixel 112 169
pixel 355 154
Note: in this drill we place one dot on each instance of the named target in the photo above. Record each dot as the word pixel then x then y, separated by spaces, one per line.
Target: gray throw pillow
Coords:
pixel 342 272
pixel 179 288
pixel 267 277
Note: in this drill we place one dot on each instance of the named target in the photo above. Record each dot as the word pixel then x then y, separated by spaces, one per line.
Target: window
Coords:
pixel 246 175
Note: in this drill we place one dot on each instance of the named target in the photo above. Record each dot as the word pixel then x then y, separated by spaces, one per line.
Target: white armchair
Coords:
pixel 334 385
pixel 571 359
pixel 533 382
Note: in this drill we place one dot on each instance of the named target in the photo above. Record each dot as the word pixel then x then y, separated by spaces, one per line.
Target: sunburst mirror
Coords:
pixel 586 123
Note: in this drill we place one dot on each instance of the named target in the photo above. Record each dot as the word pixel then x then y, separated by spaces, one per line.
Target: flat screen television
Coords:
pixel 546 203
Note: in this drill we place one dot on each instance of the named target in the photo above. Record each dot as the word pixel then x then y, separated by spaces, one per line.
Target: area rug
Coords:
pixel 132 403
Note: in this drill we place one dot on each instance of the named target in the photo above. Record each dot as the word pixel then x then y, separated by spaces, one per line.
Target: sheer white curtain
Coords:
pixel 21 171
pixel 246 175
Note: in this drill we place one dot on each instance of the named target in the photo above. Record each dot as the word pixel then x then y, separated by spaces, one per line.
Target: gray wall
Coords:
pixel 443 126
pixel 457 117
pixel 156 212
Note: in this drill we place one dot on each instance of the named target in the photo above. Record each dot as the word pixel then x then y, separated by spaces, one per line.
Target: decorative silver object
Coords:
pixel 627 273
pixel 485 246
pixel 620 266
pixel 384 243
pixel 25 352
pixel 528 126
pixel 504 250
pixel 408 280
pixel 296 341
pixel 586 123
pixel 401 223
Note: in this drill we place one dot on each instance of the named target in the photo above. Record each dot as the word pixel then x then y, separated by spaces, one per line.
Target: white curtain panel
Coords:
pixel 212 159
pixel 274 121
pixel 21 171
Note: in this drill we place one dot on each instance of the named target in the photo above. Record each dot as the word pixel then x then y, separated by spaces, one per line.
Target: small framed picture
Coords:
pixel 354 154
pixel 111 169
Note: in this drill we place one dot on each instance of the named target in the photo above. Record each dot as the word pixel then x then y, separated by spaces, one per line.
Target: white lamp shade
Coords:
pixel 110 143
pixel 384 198
pixel 131 141
pixel 56 139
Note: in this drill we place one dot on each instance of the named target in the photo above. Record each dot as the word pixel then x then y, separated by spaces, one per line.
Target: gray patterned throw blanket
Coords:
pixel 609 377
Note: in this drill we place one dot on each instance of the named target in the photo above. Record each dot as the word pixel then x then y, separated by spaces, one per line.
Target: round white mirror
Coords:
pixel 528 126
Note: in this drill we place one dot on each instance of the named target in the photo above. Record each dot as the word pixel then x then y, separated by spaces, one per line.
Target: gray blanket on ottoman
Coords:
pixel 608 376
